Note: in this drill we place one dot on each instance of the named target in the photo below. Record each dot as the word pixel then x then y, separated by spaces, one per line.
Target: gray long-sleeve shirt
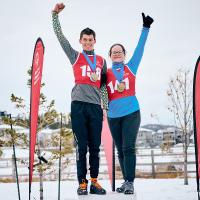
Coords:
pixel 80 92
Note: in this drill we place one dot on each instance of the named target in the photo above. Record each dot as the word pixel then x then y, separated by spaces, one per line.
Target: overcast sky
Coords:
pixel 173 43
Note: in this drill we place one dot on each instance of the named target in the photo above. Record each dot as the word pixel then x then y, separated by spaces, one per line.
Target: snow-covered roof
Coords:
pixel 154 133
pixel 49 131
pixel 6 126
pixel 145 130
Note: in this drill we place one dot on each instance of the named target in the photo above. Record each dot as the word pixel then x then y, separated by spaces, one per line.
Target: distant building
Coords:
pixel 171 135
pixel 157 134
pixel 45 135
pixel 192 138
pixel 157 138
pixel 144 137
pixel 7 137
pixel 2 114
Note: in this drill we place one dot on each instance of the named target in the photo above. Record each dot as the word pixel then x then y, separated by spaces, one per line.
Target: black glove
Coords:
pixel 147 21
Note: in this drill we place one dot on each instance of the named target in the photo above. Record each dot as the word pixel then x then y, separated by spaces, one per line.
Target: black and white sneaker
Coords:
pixel 129 189
pixel 122 188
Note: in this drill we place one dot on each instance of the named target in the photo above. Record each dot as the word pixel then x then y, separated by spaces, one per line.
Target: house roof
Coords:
pixel 145 130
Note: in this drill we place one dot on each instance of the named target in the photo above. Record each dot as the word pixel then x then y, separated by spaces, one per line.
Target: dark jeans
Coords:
pixel 124 131
pixel 87 126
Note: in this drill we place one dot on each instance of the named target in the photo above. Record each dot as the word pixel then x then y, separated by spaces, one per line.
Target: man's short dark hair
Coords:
pixel 87 31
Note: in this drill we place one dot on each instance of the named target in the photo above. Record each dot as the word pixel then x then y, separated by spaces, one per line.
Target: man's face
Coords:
pixel 87 42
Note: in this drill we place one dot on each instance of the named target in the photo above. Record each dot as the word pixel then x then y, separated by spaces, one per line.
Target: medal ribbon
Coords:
pixel 118 71
pixel 92 65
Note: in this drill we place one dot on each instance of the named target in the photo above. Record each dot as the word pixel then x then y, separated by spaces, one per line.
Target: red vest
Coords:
pixel 82 70
pixel 112 82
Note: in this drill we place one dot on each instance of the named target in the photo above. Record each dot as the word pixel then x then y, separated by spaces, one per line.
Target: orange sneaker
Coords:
pixel 82 189
pixel 95 187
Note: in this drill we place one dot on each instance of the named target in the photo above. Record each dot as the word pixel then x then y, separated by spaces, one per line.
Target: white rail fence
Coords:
pixel 150 163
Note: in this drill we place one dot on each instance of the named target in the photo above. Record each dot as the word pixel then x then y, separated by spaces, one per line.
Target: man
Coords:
pixel 86 112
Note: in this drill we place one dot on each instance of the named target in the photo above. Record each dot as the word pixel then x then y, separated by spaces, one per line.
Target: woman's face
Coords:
pixel 117 54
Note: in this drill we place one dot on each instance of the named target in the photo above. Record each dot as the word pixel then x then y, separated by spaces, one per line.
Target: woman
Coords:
pixel 124 111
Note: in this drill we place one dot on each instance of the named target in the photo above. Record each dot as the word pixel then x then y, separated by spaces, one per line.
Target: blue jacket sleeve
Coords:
pixel 134 62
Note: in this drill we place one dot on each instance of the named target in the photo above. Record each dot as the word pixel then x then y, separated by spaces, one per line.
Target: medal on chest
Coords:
pixel 118 71
pixel 93 75
pixel 121 87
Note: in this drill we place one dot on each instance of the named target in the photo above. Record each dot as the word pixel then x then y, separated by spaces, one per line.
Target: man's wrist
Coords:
pixel 54 12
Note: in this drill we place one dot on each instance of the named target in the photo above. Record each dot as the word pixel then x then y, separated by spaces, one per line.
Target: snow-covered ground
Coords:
pixel 146 189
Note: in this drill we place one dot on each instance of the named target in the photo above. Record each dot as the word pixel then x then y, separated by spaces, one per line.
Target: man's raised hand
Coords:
pixel 58 8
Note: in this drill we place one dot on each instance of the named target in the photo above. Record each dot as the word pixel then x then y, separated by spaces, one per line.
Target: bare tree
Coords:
pixel 180 97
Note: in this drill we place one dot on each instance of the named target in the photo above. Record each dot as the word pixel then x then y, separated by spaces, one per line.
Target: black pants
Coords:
pixel 124 131
pixel 87 126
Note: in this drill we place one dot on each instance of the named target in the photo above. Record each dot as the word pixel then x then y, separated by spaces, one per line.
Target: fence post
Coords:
pixel 152 164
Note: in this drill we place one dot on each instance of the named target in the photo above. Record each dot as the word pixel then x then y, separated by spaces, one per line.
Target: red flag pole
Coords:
pixel 109 151
pixel 196 117
pixel 36 76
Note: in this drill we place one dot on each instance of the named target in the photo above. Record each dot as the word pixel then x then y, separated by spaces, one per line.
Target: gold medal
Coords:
pixel 93 77
pixel 121 87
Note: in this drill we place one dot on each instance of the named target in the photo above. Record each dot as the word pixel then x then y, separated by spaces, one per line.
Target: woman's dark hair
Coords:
pixel 123 49
pixel 87 31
